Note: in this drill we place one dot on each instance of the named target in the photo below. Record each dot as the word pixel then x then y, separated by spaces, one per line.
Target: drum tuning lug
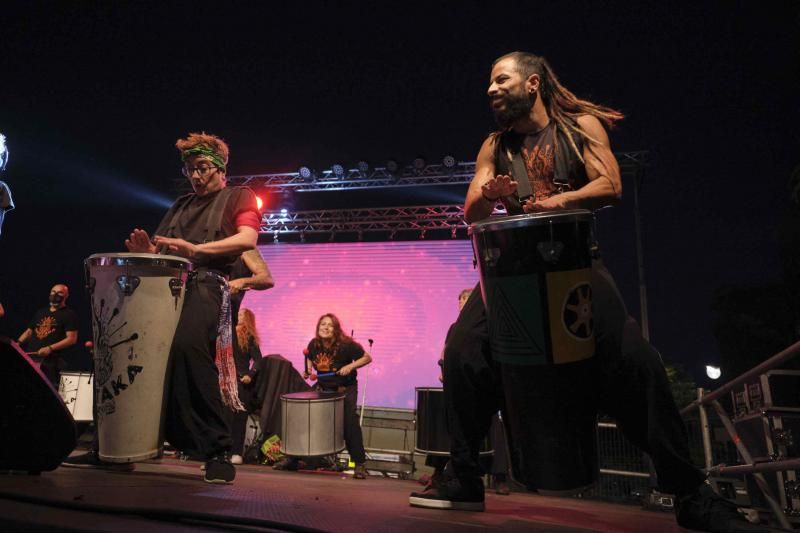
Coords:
pixel 491 256
pixel 550 251
pixel 175 286
pixel 127 284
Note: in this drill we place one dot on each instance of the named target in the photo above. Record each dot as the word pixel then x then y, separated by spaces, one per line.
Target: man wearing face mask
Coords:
pixel 50 333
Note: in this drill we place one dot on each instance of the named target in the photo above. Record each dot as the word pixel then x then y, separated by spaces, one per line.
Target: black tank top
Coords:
pixel 551 164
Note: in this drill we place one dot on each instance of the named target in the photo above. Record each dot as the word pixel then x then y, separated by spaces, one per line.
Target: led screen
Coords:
pixel 403 295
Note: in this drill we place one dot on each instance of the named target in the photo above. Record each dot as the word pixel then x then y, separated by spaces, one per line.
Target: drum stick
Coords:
pixel 326 374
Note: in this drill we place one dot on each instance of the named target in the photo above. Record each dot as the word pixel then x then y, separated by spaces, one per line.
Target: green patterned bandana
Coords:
pixel 207 152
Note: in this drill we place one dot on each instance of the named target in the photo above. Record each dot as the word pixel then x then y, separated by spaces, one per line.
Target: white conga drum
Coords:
pixel 136 303
pixel 312 424
pixel 75 388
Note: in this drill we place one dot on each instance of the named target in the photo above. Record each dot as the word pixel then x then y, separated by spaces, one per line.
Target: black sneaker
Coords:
pixel 287 463
pixel 453 493
pixel 219 470
pixel 92 460
pixel 704 510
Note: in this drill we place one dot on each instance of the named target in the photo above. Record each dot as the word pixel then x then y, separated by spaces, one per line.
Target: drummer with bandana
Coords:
pixel 552 153
pixel 211 227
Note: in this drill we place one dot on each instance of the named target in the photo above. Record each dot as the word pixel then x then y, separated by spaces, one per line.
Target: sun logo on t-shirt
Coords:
pixel 323 362
pixel 45 327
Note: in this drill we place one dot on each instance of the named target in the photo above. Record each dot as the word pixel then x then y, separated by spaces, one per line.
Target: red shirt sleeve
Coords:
pixel 249 219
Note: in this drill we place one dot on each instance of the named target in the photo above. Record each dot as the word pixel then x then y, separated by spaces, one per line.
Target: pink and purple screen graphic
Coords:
pixel 403 295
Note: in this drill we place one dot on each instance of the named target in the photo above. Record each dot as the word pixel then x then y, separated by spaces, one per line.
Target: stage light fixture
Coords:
pixel 422 235
pixel 259 203
pixel 449 162
pixel 418 164
pixel 303 236
pixel 363 167
pixel 284 212
pixel 714 372
pixel 275 237
pixel 338 171
pixel 306 173
pixel 453 230
pixel 392 166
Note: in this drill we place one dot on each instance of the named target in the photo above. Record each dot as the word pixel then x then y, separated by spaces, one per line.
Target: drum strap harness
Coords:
pixel 226 367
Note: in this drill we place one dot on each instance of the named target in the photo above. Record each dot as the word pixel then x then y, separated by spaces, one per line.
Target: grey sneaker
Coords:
pixel 90 459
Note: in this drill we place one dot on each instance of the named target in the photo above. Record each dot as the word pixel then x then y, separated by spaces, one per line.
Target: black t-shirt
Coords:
pixel 242 357
pixel 194 217
pixel 48 327
pixel 331 360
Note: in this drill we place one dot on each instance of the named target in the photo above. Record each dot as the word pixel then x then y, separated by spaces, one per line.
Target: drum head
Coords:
pixel 131 259
pixel 530 219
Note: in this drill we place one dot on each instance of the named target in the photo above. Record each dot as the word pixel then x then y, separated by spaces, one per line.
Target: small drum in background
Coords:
pixel 75 388
pixel 136 303
pixel 431 424
pixel 535 273
pixel 312 423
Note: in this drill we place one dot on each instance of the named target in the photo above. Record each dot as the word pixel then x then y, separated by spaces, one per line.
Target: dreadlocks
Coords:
pixel 562 106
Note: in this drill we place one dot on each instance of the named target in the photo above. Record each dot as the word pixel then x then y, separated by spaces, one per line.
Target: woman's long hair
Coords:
pixel 246 329
pixel 561 104
pixel 338 335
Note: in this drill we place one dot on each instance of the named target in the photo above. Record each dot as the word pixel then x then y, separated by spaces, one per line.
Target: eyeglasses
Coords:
pixel 202 171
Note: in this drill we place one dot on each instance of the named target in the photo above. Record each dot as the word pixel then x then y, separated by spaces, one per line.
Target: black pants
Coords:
pixel 238 419
pixel 495 464
pixel 195 416
pixel 353 438
pixel 631 382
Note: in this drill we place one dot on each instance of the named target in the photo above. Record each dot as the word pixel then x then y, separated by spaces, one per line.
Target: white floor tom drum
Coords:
pixel 75 388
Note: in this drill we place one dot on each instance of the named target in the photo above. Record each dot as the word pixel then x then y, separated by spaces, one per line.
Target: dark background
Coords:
pixel 94 94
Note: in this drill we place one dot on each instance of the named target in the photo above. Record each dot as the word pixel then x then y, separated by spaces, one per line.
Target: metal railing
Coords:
pixel 757 469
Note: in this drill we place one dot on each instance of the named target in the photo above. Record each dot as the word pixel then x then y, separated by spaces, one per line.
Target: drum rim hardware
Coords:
pixel 130 259
pixel 506 222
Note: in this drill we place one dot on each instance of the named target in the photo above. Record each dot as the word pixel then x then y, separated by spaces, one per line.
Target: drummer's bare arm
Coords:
pixel 605 184
pixel 25 336
pixel 244 240
pixel 139 242
pixel 261 278
pixel 364 360
pixel 66 342
pixel 486 187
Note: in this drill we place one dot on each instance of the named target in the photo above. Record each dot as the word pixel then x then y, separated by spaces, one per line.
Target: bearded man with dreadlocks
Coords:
pixel 212 227
pixel 569 164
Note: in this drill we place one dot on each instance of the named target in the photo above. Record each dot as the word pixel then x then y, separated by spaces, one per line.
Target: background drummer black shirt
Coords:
pixel 48 327
pixel 191 224
pixel 332 359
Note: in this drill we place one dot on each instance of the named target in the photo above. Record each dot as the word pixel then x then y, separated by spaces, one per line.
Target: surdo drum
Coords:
pixel 312 423
pixel 535 273
pixel 432 436
pixel 136 303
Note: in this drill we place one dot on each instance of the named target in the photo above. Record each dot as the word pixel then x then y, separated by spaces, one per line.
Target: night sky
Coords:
pixel 94 94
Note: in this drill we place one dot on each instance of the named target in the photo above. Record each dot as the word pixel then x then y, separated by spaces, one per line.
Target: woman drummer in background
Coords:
pixel 246 353
pixel 333 358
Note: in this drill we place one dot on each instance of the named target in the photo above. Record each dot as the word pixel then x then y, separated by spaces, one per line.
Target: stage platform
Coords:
pixel 169 495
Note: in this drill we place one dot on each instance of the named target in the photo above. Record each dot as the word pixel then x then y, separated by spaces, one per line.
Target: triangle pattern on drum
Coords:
pixel 513 334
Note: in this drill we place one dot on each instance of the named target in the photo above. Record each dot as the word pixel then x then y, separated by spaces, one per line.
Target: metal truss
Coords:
pixel 354 178
pixel 385 219
pixel 382 178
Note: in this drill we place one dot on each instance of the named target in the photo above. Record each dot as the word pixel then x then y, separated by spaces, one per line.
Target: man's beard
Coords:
pixel 516 107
